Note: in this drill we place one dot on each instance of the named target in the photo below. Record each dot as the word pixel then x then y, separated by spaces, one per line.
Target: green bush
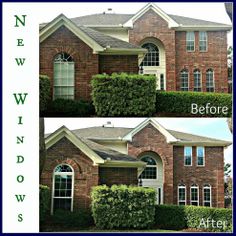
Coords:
pixel 180 217
pixel 180 102
pixel 68 108
pixel 44 92
pixel 124 207
pixel 81 218
pixel 44 199
pixel 124 94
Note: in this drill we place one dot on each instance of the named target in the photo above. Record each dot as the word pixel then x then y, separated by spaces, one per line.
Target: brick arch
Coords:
pixel 71 162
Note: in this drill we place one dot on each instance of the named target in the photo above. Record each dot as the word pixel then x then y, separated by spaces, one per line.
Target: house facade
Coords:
pixel 185 54
pixel 184 169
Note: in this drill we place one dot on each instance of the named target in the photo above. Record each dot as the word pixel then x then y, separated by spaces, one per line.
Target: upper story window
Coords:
pixel 187 156
pixel 150 171
pixel 181 194
pixel 63 181
pixel 207 195
pixel 152 56
pixel 202 41
pixel 64 76
pixel 210 85
pixel 190 41
pixel 194 195
pixel 197 80
pixel 200 156
pixel 184 83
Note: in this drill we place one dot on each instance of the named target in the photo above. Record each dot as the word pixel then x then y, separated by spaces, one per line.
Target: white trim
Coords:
pixel 200 73
pixel 203 201
pixel 203 28
pixel 194 43
pixel 191 155
pixel 202 40
pixel 203 156
pixel 182 71
pixel 156 166
pixel 213 78
pixel 194 187
pixel 185 193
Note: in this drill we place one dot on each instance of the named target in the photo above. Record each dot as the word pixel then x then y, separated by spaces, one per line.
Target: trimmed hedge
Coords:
pixel 44 198
pixel 180 102
pixel 124 94
pixel 68 108
pixel 123 207
pixel 180 217
pixel 44 90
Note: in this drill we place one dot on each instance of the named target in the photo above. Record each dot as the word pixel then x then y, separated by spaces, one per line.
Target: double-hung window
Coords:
pixel 194 195
pixel 184 80
pixel 202 41
pixel 197 80
pixel 210 87
pixel 190 41
pixel 187 156
pixel 207 195
pixel 181 194
pixel 200 156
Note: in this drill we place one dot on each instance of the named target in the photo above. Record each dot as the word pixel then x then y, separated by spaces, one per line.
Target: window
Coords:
pixel 63 76
pixel 162 82
pixel 190 41
pixel 207 195
pixel 182 194
pixel 202 41
pixel 152 56
pixel 184 80
pixel 210 81
pixel 150 171
pixel 63 184
pixel 194 195
pixel 187 156
pixel 200 156
pixel 197 81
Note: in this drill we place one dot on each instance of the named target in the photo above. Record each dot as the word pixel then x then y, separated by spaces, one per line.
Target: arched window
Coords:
pixel 63 185
pixel 210 85
pixel 184 84
pixel 152 56
pixel 207 195
pixel 194 195
pixel 64 76
pixel 197 80
pixel 150 171
pixel 181 194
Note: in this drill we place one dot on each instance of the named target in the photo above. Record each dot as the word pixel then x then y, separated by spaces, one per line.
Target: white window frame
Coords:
pixel 191 201
pixel 213 80
pixel 206 186
pixel 182 186
pixel 200 78
pixel 203 155
pixel 157 52
pixel 185 147
pixel 53 187
pixel 192 40
pixel 151 166
pixel 206 41
pixel 184 71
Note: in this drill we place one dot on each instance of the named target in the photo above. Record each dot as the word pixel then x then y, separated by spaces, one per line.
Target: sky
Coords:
pixel 209 127
pixel 215 12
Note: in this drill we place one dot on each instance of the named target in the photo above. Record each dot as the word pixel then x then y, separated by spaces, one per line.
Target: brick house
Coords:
pixel 184 169
pixel 185 54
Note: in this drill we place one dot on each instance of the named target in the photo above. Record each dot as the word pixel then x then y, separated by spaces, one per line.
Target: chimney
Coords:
pixel 108 125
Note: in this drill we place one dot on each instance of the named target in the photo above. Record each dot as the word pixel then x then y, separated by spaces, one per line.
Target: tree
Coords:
pixel 227 169
pixel 42 148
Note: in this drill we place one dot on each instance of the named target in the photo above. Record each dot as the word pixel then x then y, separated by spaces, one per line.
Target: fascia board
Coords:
pixel 123 164
pixel 203 28
pixel 209 144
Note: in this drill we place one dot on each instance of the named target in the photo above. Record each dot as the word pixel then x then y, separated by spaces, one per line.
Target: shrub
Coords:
pixel 124 95
pixel 123 207
pixel 44 89
pixel 66 107
pixel 180 217
pixel 180 102
pixel 44 198
pixel 81 218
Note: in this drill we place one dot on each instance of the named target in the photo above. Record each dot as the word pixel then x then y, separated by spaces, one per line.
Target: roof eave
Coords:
pixel 203 27
pixel 112 163
pixel 202 143
pixel 123 51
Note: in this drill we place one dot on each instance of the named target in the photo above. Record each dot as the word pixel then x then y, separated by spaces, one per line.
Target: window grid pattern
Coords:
pixel 197 81
pixel 181 195
pixel 63 76
pixel 152 56
pixel 150 171
pixel 207 196
pixel 187 156
pixel 200 156
pixel 202 41
pixel 190 41
pixel 194 195
pixel 184 84
pixel 210 87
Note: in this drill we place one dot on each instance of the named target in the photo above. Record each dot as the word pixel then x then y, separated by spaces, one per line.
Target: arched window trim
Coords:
pixel 63 76
pixel 194 186
pixel 206 186
pixel 151 58
pixel 55 173
pixel 210 88
pixel 183 84
pixel 151 166
pixel 182 186
pixel 198 83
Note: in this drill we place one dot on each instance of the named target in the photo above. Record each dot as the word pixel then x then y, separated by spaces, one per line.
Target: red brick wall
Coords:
pixel 85 173
pixel 215 58
pixel 118 63
pixel 212 173
pixel 150 139
pixel 111 175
